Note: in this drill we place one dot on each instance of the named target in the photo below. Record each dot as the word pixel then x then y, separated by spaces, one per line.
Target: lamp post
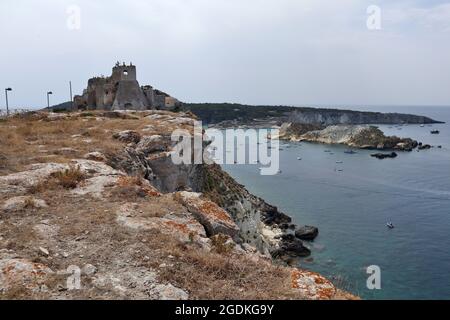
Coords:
pixel 71 97
pixel 7 105
pixel 48 99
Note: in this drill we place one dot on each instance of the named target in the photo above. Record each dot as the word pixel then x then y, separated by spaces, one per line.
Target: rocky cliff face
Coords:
pixel 260 224
pixel 232 115
pixel 91 207
pixel 334 117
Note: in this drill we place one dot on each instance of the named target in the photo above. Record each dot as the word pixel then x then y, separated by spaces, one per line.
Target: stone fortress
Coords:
pixel 121 91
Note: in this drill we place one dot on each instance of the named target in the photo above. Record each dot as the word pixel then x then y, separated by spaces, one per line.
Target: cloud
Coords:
pixel 252 51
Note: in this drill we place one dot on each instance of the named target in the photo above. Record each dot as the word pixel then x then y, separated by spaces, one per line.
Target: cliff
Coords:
pixel 335 116
pixel 226 114
pixel 92 207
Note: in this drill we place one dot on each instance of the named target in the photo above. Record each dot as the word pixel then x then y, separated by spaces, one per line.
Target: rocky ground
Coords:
pixel 91 207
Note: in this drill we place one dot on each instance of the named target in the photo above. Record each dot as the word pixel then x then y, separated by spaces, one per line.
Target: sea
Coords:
pixel 351 197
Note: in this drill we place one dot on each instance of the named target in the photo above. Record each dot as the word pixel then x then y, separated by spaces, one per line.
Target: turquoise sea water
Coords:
pixel 351 208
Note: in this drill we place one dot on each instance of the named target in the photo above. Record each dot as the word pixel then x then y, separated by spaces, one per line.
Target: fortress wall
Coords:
pixel 130 96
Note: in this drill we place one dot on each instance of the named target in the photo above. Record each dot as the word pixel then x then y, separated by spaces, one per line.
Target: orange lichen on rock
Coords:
pixel 22 273
pixel 212 209
pixel 178 226
pixel 128 181
pixel 312 285
pixel 215 219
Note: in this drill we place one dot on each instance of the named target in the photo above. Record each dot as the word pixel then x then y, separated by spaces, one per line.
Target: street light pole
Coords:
pixel 7 104
pixel 48 99
pixel 71 97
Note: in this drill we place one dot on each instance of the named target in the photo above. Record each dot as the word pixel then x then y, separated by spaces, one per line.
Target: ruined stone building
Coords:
pixel 121 91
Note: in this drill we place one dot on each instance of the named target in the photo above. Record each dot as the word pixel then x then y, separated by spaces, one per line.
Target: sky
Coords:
pixel 280 52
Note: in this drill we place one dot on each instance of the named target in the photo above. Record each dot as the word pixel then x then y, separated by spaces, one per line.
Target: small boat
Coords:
pixel 349 152
pixel 339 162
pixel 422 125
pixel 326 150
pixel 435 132
pixel 390 225
pixel 298 158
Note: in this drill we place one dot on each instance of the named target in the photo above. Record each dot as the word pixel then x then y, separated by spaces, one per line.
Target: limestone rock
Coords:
pixel 22 202
pixel 128 136
pixel 89 270
pixel 150 144
pixel 312 285
pixel 65 151
pixel 20 181
pixel 22 274
pixel 132 162
pixel 168 292
pixel 215 219
pixel 361 136
pixel 95 186
pixel 45 230
pixel 95 156
pixel 44 251
pixel 183 227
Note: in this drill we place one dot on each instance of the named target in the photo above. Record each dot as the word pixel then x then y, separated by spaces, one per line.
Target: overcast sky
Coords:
pixel 295 52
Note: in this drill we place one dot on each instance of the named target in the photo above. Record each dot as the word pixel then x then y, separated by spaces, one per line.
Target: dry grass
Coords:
pixel 3 161
pixel 29 203
pixel 210 275
pixel 32 139
pixel 69 178
pixel 221 244
pixel 133 187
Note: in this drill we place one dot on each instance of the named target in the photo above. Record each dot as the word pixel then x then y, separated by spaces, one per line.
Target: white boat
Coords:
pixel 298 158
pixel 390 225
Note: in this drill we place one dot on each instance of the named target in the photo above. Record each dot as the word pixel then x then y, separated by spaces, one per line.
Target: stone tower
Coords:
pixel 129 94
